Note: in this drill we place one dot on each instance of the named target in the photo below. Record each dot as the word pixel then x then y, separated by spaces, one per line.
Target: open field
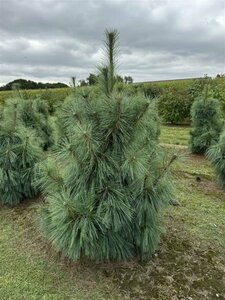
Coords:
pixel 190 263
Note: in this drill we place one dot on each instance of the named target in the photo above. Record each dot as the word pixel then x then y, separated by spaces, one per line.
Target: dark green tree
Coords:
pixel 109 178
pixel 82 82
pixel 207 123
pixel 128 79
pixel 23 84
pixel 119 78
pixel 92 79
pixel 73 81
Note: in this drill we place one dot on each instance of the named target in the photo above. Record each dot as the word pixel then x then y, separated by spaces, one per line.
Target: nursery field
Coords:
pixel 59 93
pixel 190 262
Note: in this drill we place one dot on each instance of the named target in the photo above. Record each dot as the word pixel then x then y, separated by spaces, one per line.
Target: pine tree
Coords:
pixel 34 115
pixel 216 156
pixel 19 152
pixel 207 123
pixel 108 178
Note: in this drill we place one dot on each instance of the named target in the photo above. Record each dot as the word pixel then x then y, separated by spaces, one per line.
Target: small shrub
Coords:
pixel 152 91
pixel 174 106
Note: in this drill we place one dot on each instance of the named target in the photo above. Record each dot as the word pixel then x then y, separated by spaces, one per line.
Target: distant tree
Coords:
pixel 128 79
pixel 30 85
pixel 220 75
pixel 119 78
pixel 92 79
pixel 73 81
pixel 83 82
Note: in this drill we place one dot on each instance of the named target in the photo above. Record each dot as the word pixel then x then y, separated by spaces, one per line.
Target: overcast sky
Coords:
pixel 52 40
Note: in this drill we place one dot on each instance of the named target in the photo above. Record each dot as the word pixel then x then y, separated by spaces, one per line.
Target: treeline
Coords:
pixel 24 84
pixel 92 79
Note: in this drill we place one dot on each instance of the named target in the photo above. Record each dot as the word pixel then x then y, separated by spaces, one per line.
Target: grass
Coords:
pixel 29 270
pixel 189 264
pixel 176 135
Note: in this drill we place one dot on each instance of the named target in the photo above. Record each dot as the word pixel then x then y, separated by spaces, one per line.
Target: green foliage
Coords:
pixel 109 177
pixel 175 105
pixel 216 155
pixel 218 88
pixel 19 152
pixel 197 87
pixel 53 97
pixel 207 124
pixel 151 91
pixel 34 115
pixel 92 79
pixel 104 204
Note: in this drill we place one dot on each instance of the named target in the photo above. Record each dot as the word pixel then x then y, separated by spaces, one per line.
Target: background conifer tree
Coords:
pixel 19 152
pixel 109 176
pixel 207 123
pixel 34 115
pixel 216 155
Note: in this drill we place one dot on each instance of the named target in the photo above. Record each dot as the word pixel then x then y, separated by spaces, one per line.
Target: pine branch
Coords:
pixel 165 169
pixel 143 112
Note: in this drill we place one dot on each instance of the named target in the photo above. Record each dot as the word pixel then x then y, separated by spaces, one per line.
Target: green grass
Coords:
pixel 177 135
pixel 33 93
pixel 190 262
pixel 30 270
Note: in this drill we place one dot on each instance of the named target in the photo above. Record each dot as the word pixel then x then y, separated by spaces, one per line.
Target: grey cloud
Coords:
pixel 50 39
